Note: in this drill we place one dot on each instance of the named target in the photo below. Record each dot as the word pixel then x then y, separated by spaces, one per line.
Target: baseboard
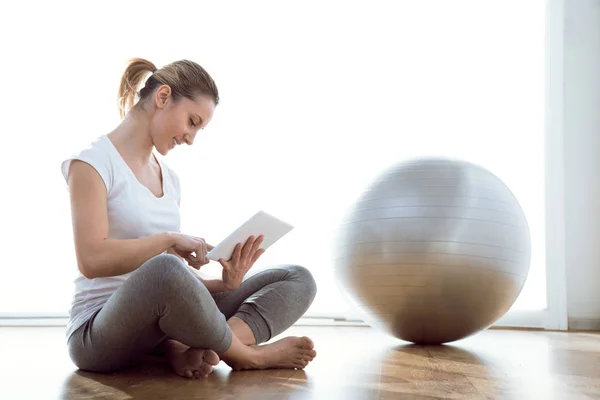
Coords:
pixel 522 319
pixel 584 324
pixel 514 319
pixel 58 321
pixel 39 322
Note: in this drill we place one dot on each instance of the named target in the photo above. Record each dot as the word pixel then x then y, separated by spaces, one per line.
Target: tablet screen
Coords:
pixel 261 223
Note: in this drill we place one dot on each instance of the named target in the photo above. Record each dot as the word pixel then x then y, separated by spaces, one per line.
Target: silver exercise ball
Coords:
pixel 433 251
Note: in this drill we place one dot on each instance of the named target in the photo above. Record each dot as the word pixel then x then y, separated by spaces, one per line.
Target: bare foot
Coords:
pixel 288 353
pixel 190 362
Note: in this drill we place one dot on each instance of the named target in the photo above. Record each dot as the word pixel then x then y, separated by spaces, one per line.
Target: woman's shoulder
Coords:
pixel 96 153
pixel 96 147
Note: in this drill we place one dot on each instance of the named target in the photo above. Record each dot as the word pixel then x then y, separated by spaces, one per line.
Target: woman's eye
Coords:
pixel 192 122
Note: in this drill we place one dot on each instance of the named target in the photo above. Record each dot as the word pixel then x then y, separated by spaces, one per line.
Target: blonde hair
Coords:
pixel 185 78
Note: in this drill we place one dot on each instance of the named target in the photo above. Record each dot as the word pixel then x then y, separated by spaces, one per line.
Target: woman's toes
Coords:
pixel 211 357
pixel 199 374
pixel 206 368
pixel 300 364
pixel 308 344
pixel 310 353
pixel 307 359
pixel 188 373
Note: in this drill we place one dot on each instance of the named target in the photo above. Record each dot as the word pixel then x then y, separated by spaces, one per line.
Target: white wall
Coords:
pixel 582 161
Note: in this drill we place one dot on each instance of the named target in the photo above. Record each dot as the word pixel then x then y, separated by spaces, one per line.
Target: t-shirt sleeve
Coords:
pixel 98 160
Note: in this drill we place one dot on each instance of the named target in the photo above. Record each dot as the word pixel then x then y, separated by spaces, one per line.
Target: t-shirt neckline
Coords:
pixel 132 175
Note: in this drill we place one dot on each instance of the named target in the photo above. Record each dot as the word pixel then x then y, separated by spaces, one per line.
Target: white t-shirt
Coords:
pixel 133 212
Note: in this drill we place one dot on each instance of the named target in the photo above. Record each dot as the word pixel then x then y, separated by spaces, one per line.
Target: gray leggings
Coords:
pixel 163 299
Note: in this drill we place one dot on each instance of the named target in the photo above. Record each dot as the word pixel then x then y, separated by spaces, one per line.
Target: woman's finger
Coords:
pixel 199 252
pixel 196 264
pixel 256 244
pixel 257 255
pixel 208 249
pixel 247 250
pixel 237 254
pixel 224 264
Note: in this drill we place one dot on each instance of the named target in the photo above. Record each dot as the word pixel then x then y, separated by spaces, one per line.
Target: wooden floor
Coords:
pixel 352 363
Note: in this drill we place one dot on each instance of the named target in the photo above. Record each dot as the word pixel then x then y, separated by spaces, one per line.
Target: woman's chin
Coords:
pixel 163 151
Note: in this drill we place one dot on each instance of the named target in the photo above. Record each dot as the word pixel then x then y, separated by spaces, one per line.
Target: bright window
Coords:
pixel 317 98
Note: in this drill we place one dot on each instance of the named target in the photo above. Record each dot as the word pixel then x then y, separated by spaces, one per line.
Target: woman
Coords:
pixel 135 294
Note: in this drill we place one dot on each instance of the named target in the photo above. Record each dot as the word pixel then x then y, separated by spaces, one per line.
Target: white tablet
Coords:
pixel 261 223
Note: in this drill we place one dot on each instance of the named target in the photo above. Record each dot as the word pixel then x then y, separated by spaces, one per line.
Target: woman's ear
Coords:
pixel 163 94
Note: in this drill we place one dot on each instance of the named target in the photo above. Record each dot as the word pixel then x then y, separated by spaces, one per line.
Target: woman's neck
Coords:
pixel 132 139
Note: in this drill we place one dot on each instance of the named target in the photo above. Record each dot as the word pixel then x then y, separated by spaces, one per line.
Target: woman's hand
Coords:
pixel 198 260
pixel 241 261
pixel 192 249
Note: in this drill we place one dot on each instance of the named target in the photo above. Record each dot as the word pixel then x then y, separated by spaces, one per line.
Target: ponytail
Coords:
pixel 132 78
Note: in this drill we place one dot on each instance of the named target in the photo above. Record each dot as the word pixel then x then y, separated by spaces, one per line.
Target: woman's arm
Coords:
pixel 214 285
pixel 97 255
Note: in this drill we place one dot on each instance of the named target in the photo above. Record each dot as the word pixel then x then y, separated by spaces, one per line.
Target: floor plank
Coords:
pixel 352 363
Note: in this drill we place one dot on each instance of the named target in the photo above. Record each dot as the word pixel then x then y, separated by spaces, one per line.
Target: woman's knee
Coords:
pixel 302 274
pixel 164 268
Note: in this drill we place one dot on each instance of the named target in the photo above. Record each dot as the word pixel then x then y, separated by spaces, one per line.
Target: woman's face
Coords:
pixel 177 123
